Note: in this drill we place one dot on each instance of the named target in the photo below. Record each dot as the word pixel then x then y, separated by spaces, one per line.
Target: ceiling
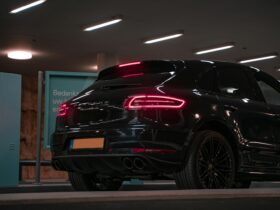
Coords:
pixel 54 32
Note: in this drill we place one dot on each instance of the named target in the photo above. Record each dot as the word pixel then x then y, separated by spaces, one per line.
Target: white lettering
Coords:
pixel 64 93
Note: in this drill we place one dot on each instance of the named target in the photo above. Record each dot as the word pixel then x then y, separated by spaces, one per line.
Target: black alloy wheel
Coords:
pixel 210 163
pixel 215 163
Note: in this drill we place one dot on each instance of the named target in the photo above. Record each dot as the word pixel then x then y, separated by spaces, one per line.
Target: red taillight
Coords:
pixel 154 101
pixel 129 64
pixel 62 111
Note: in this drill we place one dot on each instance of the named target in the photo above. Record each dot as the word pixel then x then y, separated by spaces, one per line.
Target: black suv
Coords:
pixel 205 124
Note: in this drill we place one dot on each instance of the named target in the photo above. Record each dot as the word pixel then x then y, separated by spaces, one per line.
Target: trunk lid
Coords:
pixel 102 103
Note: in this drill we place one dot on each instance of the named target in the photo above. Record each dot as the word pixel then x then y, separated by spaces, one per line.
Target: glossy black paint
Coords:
pixel 250 124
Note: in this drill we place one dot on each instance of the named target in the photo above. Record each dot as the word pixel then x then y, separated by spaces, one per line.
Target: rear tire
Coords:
pixel 210 163
pixel 242 184
pixel 82 182
pixel 86 182
pixel 109 184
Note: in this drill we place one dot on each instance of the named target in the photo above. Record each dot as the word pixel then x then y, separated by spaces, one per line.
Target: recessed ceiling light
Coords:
pixel 95 67
pixel 215 49
pixel 265 57
pixel 27 6
pixel 20 55
pixel 104 24
pixel 160 39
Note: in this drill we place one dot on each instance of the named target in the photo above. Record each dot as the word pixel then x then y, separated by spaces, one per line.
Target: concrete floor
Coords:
pixel 151 195
pixel 148 185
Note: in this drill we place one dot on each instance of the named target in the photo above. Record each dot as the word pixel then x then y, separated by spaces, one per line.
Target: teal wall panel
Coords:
pixel 10 112
pixel 59 87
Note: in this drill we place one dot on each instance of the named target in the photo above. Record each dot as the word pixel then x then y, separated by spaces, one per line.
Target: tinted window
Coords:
pixel 183 79
pixel 233 81
pixel 270 88
pixel 205 80
pixel 196 74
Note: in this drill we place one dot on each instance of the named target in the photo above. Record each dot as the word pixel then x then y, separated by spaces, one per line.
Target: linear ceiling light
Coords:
pixel 266 57
pixel 104 24
pixel 160 39
pixel 27 6
pixel 19 55
pixel 218 48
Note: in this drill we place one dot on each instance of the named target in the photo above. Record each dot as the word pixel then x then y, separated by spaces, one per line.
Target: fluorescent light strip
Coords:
pixel 101 25
pixel 258 59
pixel 33 4
pixel 214 49
pixel 173 36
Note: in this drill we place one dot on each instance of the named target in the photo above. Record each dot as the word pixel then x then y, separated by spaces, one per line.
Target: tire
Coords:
pixel 82 182
pixel 85 182
pixel 109 184
pixel 242 184
pixel 210 163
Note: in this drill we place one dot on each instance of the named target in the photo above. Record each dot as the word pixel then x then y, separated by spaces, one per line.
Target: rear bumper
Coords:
pixel 118 153
pixel 114 165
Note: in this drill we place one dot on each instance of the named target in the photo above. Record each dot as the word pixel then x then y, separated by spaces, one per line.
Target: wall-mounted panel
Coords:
pixel 59 87
pixel 10 112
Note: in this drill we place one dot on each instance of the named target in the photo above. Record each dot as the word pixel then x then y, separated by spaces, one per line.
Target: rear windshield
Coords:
pixel 136 69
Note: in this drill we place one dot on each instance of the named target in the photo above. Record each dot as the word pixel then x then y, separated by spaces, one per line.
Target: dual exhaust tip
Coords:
pixel 134 163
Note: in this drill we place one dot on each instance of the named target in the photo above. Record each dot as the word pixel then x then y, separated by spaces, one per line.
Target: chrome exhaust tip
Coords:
pixel 139 164
pixel 127 163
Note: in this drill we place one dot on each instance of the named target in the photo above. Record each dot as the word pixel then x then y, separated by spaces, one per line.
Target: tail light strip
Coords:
pixel 154 101
pixel 63 109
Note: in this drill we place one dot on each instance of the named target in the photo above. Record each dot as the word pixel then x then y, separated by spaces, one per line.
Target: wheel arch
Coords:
pixel 221 127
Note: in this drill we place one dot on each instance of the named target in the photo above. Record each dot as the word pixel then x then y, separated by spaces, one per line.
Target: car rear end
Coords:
pixel 127 124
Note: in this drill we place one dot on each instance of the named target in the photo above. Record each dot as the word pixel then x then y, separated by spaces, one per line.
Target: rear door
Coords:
pixel 245 111
pixel 269 89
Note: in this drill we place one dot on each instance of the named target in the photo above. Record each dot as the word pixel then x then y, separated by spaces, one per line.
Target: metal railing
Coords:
pixel 23 163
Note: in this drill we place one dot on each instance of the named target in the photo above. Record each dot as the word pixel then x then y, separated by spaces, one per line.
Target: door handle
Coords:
pixel 230 108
